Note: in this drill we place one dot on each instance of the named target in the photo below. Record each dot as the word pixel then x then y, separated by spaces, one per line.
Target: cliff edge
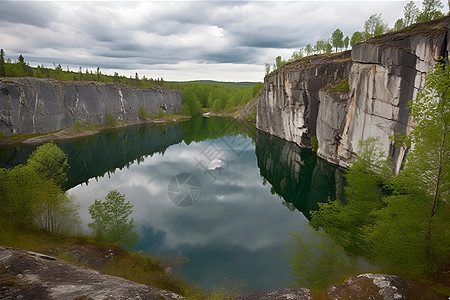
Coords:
pixel 347 97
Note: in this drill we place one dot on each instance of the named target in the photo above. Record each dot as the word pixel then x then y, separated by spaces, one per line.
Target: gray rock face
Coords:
pixel 32 105
pixel 29 275
pixel 305 98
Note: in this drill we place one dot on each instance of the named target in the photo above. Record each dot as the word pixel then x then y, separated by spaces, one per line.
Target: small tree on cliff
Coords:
pixel 337 39
pixel 2 63
pixel 431 9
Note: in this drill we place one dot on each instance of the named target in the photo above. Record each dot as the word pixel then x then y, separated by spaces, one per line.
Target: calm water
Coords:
pixel 219 195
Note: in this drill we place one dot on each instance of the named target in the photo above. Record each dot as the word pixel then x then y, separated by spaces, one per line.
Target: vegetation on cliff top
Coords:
pixel 373 26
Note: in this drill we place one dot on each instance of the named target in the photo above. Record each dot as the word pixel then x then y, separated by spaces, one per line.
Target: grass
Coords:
pixel 340 87
pixel 80 127
pixel 16 139
pixel 133 266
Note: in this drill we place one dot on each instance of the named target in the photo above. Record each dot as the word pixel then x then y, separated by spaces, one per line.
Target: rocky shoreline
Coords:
pixel 30 275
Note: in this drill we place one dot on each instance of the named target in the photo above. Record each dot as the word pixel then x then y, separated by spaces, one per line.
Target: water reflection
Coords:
pixel 236 228
pixel 297 175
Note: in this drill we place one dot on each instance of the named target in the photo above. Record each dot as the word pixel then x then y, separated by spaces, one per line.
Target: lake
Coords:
pixel 213 193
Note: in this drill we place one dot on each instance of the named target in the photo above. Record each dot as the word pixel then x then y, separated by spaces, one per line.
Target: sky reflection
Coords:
pixel 237 229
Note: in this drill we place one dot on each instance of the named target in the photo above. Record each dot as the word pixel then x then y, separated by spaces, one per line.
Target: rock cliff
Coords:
pixel 347 97
pixel 33 105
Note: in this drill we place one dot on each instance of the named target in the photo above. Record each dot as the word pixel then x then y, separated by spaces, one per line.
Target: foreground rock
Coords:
pixel 380 286
pixel 28 275
pixel 347 97
pixel 364 286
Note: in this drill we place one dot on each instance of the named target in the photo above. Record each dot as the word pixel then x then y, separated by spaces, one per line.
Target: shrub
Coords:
pixel 110 119
pixel 314 143
pixel 142 113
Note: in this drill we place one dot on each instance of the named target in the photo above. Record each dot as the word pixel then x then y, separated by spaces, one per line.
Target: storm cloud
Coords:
pixel 185 40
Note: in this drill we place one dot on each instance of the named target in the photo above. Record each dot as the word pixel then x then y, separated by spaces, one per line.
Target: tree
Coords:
pixel 50 162
pixel 267 68
pixel 374 26
pixel 410 12
pixel 399 25
pixel 279 62
pixel 2 63
pixel 309 50
pixel 112 221
pixel 191 105
pixel 365 178
pixel 346 41
pixel 431 9
pixel 31 194
pixel 337 39
pixel 357 37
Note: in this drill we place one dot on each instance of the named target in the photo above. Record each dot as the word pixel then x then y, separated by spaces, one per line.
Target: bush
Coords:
pixel 110 119
pixel 2 136
pixel 314 143
pixel 142 113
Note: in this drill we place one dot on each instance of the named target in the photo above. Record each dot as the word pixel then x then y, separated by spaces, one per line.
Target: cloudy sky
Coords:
pixel 181 40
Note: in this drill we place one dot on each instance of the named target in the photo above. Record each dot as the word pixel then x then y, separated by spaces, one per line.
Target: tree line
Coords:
pixel 373 26
pixel 199 96
pixel 21 68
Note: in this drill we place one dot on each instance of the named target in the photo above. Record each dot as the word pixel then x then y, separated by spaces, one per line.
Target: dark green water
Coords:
pixel 215 192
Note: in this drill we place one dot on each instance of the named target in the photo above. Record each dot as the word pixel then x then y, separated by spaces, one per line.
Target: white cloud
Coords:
pixel 178 40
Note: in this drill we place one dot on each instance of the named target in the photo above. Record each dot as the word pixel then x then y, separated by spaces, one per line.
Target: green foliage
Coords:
pixel 431 115
pixel 374 26
pixel 314 143
pixel 31 194
pixel 341 87
pixel 357 37
pixel 327 265
pixel 79 126
pixel 216 97
pixel 431 9
pixel 346 42
pixel 191 105
pixel 50 162
pixel 111 220
pixel 365 178
pixel 142 113
pixel 2 136
pixel 399 24
pixel 267 68
pixel 410 12
pixel 401 220
pixel 2 63
pixel 337 39
pixel 110 119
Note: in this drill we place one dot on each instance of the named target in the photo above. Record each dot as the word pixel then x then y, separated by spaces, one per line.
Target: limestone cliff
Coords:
pixel 347 97
pixel 32 105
